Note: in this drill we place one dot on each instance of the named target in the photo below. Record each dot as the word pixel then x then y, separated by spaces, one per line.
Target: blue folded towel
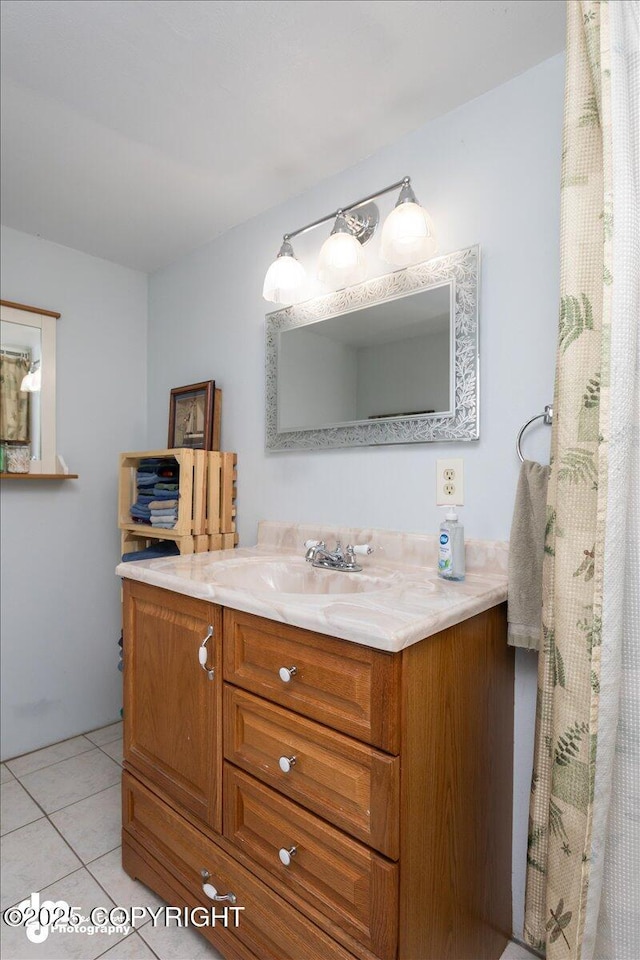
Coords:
pixel 167 548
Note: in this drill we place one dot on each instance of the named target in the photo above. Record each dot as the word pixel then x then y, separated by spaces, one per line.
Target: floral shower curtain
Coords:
pixel 14 404
pixel 587 686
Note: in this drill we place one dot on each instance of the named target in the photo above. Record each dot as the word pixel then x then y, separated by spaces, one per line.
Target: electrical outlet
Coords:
pixel 450 482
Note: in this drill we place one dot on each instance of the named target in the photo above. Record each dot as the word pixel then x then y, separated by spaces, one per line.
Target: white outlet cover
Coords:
pixel 450 489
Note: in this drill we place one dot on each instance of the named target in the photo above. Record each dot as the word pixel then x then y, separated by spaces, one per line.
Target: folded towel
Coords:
pixel 162 524
pixel 166 548
pixel 164 494
pixel 147 478
pixel 526 552
pixel 170 513
pixel 163 504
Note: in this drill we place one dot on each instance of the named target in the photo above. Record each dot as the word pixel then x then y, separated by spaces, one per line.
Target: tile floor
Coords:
pixel 60 826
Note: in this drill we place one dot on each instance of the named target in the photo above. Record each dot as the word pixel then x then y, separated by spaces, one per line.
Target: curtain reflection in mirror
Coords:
pixel 14 402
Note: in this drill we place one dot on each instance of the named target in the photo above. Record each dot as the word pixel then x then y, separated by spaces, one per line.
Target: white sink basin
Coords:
pixel 294 575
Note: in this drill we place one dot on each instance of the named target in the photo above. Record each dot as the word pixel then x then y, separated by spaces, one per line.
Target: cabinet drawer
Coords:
pixel 353 886
pixel 268 927
pixel 352 785
pixel 349 687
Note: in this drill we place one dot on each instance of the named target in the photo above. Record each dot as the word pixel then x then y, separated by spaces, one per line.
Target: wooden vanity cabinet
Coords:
pixel 173 711
pixel 358 806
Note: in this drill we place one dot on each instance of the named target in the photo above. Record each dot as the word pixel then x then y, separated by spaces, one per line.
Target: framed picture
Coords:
pixel 191 416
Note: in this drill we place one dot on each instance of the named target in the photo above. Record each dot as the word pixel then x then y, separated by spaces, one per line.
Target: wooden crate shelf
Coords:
pixel 221 500
pixel 206 505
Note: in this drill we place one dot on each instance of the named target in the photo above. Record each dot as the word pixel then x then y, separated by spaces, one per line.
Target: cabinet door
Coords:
pixel 172 704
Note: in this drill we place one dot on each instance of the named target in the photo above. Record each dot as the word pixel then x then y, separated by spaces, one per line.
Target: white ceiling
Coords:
pixel 137 130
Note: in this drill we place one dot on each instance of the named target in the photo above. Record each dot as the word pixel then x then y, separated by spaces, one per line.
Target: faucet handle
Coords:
pixel 362 549
pixel 308 544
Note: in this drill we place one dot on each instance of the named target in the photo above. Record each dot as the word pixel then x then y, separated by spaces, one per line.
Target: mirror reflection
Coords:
pixel 20 369
pixel 390 359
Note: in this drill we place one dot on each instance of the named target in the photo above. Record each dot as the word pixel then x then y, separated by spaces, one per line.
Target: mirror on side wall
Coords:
pixel 28 388
pixel 392 360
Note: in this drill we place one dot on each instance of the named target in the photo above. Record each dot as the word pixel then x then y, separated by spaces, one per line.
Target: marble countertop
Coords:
pixel 411 603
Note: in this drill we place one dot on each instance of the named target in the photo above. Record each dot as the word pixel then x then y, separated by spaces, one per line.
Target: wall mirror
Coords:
pixel 391 360
pixel 28 383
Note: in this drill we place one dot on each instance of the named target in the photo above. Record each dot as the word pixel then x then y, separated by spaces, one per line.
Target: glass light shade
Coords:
pixel 342 261
pixel 407 235
pixel 32 381
pixel 284 280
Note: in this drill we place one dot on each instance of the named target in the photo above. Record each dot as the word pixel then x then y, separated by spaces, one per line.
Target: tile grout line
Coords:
pixel 131 934
pixel 106 742
pixel 52 824
pixel 82 799
pixel 55 763
pixel 134 929
pixel 105 854
pixel 119 762
pixel 40 889
pixel 23 825
pixel 83 865
pixel 38 805
pixel 76 736
pixel 67 805
pixel 29 753
pixel 92 746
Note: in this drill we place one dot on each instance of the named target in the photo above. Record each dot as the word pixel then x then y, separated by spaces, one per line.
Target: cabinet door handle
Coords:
pixel 210 891
pixel 285 763
pixel 287 855
pixel 202 653
pixel 286 673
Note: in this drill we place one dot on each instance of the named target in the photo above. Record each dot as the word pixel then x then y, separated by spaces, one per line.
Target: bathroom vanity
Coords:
pixel 337 761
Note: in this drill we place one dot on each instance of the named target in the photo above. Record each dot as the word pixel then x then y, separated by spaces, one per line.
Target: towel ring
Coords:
pixel 547 417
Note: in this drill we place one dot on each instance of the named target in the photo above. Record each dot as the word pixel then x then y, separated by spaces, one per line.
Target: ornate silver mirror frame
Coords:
pixel 461 269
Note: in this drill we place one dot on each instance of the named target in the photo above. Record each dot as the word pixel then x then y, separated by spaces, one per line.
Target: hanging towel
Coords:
pixel 526 552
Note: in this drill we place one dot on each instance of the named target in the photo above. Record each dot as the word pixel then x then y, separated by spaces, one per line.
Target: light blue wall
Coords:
pixel 60 599
pixel 489 173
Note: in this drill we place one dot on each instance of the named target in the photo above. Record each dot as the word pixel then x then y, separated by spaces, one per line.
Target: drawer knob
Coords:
pixel 285 763
pixel 287 855
pixel 210 891
pixel 286 673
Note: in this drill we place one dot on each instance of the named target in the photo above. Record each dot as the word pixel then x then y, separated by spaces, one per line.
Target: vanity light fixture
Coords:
pixel 407 238
pixel 32 381
pixel 285 276
pixel 342 261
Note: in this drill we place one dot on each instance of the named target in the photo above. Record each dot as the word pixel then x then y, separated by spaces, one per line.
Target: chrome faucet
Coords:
pixel 337 559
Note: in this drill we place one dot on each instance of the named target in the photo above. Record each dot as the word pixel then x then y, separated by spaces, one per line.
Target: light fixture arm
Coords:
pixel 347 208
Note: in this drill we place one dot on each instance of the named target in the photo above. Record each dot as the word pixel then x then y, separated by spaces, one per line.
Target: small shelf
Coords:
pixel 38 476
pixel 149 532
pixel 206 501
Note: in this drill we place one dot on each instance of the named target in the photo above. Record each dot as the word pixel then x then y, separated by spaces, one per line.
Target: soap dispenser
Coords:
pixel 451 547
